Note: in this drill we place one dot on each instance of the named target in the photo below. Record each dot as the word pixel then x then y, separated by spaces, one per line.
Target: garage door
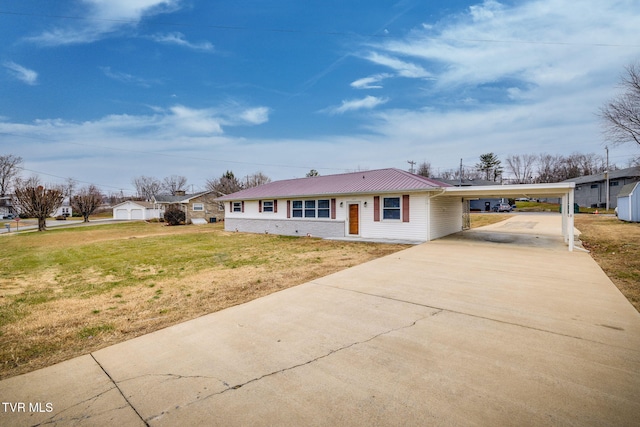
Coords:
pixel 136 214
pixel 122 214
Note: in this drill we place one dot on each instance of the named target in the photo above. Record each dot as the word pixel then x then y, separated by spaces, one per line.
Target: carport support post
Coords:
pixel 563 211
pixel 570 220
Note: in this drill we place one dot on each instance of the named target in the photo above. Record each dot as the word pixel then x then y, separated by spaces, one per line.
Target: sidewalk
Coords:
pixel 458 331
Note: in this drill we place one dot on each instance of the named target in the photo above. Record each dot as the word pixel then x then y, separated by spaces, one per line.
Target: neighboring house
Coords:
pixel 385 204
pixel 483 205
pixel 64 210
pixel 6 206
pixel 591 190
pixel 136 210
pixel 629 202
pixel 199 207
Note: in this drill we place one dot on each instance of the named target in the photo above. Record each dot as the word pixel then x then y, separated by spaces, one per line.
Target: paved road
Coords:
pixel 31 225
pixel 461 331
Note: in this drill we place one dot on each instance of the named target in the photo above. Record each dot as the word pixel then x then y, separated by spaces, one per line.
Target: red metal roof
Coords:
pixel 373 181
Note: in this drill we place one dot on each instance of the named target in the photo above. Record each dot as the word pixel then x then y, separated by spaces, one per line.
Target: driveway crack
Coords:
pixel 323 356
pixel 120 391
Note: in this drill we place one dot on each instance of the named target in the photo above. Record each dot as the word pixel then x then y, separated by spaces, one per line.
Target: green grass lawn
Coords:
pixel 69 291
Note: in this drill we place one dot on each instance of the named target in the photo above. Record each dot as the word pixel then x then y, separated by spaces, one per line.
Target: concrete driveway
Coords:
pixel 459 331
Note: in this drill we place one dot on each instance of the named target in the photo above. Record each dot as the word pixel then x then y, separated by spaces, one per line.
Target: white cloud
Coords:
pixel 178 39
pixel 540 42
pixel 21 73
pixel 127 78
pixel 102 18
pixel 403 68
pixel 255 116
pixel 366 103
pixel 370 82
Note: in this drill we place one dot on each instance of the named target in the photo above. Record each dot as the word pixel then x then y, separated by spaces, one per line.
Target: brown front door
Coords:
pixel 353 219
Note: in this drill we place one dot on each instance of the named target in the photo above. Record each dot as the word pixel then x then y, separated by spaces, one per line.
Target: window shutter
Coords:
pixel 333 208
pixel 376 208
pixel 288 208
pixel 259 205
pixel 405 208
pixel 242 208
pixel 230 206
pixel 275 206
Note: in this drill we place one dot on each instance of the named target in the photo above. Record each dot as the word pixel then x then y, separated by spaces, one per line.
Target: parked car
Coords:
pixel 9 216
pixel 502 207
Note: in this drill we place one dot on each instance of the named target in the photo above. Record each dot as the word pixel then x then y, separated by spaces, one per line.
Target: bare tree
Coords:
pixel 9 168
pixel 550 168
pixel 521 166
pixel 86 201
pixel 224 185
pixel 147 186
pixel 174 183
pixel 424 169
pixel 36 201
pixel 621 116
pixel 255 180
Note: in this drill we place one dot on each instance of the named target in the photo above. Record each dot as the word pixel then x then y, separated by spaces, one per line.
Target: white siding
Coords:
pixel 252 220
pixel 415 229
pixel 446 216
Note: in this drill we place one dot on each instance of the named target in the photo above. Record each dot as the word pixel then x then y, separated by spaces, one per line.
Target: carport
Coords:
pixel 561 190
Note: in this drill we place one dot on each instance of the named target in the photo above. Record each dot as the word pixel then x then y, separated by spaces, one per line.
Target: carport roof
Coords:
pixel 514 190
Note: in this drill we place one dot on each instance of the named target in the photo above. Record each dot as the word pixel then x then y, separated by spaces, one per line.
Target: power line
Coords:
pixel 298 31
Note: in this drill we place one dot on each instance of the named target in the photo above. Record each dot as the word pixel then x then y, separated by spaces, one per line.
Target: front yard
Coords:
pixel 71 291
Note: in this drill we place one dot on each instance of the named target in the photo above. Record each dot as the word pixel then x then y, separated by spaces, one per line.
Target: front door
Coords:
pixel 353 219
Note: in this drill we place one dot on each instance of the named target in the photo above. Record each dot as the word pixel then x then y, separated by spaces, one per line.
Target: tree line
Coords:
pixel 524 168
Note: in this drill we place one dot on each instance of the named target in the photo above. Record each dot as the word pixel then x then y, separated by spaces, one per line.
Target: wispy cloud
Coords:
pixel 366 103
pixel 21 73
pixel 178 39
pixel 127 78
pixel 370 82
pixel 402 68
pixel 102 18
pixel 538 42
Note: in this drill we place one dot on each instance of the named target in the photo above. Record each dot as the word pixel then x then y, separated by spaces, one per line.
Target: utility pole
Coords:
pixel 460 173
pixel 606 174
pixel 411 162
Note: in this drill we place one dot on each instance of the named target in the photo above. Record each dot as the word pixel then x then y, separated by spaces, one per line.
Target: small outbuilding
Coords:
pixel 629 202
pixel 136 210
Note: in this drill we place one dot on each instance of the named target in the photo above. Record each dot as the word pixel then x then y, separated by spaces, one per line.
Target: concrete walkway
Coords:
pixel 460 331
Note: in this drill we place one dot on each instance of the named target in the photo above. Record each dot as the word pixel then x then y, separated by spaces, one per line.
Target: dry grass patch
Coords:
pixel 615 245
pixel 67 292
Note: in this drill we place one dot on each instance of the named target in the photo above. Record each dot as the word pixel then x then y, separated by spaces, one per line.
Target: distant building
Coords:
pixel 477 205
pixel 629 202
pixel 591 190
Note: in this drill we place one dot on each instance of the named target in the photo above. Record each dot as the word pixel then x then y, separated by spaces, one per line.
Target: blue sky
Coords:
pixel 103 91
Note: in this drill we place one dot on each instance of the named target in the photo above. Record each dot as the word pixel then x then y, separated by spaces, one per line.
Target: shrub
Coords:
pixel 174 215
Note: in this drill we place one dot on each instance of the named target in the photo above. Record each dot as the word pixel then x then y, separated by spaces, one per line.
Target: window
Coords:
pixel 267 206
pixel 237 206
pixel 311 208
pixel 594 185
pixel 613 183
pixel 323 209
pixel 198 206
pixel 391 208
pixel 296 210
